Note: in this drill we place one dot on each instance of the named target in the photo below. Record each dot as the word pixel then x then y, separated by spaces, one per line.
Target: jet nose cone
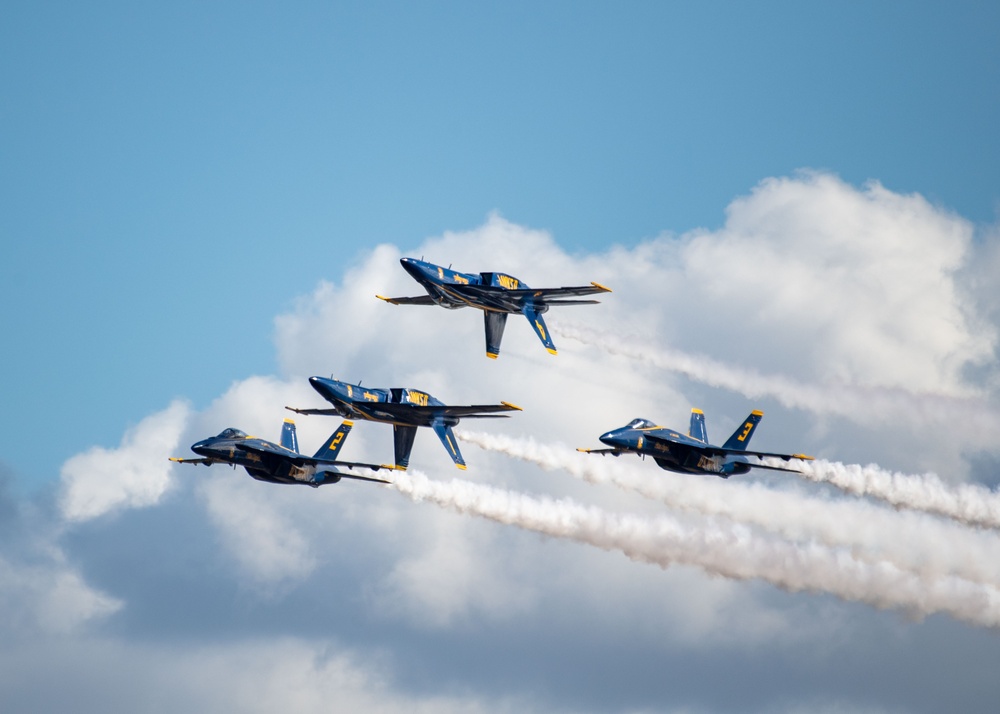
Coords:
pixel 611 438
pixel 411 265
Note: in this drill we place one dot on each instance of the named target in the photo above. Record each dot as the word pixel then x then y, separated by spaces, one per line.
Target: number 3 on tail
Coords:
pixel 746 430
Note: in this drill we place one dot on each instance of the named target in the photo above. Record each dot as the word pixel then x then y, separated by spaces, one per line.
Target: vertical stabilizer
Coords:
pixel 538 325
pixel 447 437
pixel 288 437
pixel 495 322
pixel 741 437
pixel 402 443
pixel 331 449
pixel 698 430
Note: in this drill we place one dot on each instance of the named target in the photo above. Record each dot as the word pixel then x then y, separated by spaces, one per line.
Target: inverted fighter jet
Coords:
pixel 496 294
pixel 691 453
pixel 282 463
pixel 405 409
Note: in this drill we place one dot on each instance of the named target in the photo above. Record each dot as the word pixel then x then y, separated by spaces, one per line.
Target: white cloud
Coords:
pixel 810 280
pixel 134 475
pixel 250 675
pixel 259 532
pixel 50 596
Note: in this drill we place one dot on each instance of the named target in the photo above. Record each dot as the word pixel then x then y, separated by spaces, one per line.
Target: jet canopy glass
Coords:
pixel 640 424
pixel 232 434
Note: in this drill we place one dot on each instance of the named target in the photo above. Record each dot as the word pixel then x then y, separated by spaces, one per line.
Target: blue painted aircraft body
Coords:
pixel 406 409
pixel 280 463
pixel 496 294
pixel 691 452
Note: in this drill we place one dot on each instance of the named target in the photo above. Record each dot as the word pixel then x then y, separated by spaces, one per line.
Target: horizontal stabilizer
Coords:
pixel 363 478
pixel 773 468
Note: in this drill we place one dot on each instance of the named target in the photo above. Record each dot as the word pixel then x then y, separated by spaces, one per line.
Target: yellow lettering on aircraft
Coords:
pixel 460 280
pixel 541 329
pixel 336 440
pixel 440 273
pixel 371 397
pixel 418 398
pixel 746 430
pixel 508 282
pixel 639 445
pixel 350 392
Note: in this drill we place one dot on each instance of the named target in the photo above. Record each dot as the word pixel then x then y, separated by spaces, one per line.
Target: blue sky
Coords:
pixel 201 201
pixel 162 162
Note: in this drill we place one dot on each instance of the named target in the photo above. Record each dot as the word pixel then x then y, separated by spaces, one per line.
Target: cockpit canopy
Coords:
pixel 640 424
pixel 232 434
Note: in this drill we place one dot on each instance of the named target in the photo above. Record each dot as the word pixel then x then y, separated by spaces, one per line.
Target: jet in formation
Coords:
pixel 496 294
pixel 691 453
pixel 406 409
pixel 280 463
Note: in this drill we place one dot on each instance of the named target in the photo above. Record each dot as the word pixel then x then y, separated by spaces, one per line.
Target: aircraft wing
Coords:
pixel 314 412
pixel 413 412
pixel 537 294
pixel 207 462
pixel 302 460
pixel 419 300
pixel 602 452
pixel 351 465
pixel 718 451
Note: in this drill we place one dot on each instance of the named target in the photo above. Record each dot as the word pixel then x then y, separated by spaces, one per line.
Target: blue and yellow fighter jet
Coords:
pixel 496 294
pixel 691 453
pixel 282 463
pixel 405 409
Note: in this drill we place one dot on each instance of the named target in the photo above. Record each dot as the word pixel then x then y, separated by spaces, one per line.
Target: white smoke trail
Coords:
pixel 868 405
pixel 927 547
pixel 732 552
pixel 970 504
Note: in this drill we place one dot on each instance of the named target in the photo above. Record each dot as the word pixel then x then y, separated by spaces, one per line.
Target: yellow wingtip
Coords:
pixel 551 351
pixel 388 300
pixel 289 421
pixel 803 457
pixel 461 466
pixel 348 422
pixel 757 412
pixel 598 285
pixel 491 355
pixel 512 406
pixel 176 458
pixel 697 411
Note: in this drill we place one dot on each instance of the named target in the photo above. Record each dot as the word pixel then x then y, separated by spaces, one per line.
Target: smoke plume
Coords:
pixel 727 551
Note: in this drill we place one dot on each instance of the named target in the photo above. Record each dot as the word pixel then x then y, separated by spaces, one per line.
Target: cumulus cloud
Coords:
pixel 134 475
pixel 810 281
